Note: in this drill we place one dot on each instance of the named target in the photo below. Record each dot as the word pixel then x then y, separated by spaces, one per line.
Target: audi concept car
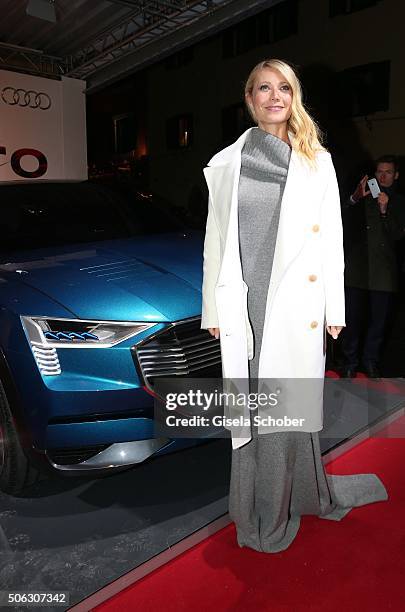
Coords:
pixel 99 296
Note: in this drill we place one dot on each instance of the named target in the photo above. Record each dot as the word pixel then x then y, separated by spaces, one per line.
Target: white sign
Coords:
pixel 42 128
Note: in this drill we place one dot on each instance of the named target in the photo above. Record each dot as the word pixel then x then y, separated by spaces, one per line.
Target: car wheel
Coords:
pixel 16 472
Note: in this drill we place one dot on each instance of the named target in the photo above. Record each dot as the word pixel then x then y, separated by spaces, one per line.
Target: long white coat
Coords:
pixel 306 290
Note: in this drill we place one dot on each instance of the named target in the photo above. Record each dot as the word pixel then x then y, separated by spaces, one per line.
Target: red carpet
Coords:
pixel 357 564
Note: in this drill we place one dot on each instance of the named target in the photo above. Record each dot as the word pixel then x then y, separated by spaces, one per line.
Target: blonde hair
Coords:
pixel 307 138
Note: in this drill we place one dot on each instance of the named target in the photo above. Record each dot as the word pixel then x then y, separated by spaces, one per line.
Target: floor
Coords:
pixel 77 535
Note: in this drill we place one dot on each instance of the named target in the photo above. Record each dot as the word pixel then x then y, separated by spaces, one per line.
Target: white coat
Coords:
pixel 306 289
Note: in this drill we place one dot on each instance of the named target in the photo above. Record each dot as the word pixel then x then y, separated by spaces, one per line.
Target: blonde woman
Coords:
pixel 272 288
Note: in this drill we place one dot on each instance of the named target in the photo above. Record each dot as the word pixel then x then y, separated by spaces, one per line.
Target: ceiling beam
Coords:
pixel 215 20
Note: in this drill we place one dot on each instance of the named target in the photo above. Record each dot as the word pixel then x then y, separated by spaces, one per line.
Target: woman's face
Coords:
pixel 271 97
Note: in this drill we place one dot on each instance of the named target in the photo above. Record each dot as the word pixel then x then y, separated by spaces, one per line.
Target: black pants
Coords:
pixel 370 309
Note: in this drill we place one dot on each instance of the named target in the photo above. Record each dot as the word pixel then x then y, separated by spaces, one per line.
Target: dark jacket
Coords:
pixel 369 241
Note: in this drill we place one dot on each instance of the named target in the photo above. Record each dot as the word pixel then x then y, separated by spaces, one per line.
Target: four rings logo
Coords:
pixel 32 99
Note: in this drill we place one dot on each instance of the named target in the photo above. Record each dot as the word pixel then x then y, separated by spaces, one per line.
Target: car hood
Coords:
pixel 151 278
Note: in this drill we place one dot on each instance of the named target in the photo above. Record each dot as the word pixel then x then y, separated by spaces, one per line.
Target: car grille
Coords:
pixel 183 349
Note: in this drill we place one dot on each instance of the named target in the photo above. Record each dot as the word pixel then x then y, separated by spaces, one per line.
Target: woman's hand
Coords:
pixel 334 330
pixel 214 331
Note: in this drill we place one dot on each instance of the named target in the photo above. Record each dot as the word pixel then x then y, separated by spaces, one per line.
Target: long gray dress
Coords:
pixel 277 477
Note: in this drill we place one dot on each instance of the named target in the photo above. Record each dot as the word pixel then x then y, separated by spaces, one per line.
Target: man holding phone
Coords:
pixel 373 219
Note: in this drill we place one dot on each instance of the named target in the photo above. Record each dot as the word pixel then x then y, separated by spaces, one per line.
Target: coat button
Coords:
pixel 315 228
pixel 314 324
pixel 312 277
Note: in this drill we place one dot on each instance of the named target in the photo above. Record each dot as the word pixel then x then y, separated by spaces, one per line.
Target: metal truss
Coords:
pixel 148 31
pixel 14 57
pixel 151 20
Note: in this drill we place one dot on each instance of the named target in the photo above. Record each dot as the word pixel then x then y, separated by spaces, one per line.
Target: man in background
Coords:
pixel 371 228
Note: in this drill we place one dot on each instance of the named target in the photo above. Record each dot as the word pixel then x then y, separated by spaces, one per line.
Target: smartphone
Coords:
pixel 374 187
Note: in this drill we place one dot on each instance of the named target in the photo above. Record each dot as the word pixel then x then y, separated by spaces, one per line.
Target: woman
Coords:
pixel 272 287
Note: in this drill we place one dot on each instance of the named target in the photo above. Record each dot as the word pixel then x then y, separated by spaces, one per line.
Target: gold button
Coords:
pixel 315 228
pixel 314 324
pixel 312 277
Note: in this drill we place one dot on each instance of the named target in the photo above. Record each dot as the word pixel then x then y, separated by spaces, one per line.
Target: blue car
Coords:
pixel 99 296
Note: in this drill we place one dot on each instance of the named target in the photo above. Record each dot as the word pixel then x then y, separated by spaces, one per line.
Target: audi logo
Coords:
pixel 32 99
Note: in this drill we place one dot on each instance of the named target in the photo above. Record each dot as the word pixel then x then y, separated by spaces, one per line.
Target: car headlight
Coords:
pixel 47 332
pixel 45 335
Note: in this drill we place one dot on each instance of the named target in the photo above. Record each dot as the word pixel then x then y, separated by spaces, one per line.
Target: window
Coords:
pixel 269 26
pixel 181 58
pixel 179 131
pixel 235 120
pixel 342 7
pixel 361 90
pixel 125 133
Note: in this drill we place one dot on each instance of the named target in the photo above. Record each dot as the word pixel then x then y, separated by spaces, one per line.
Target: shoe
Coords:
pixel 371 371
pixel 348 372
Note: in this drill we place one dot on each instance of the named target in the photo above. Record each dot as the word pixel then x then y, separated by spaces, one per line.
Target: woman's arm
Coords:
pixel 211 265
pixel 332 252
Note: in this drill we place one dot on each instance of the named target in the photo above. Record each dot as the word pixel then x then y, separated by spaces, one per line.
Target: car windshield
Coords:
pixel 41 215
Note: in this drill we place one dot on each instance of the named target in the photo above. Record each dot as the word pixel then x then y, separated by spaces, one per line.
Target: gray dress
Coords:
pixel 277 477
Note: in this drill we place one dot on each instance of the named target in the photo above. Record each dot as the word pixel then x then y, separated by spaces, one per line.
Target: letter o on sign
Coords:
pixel 16 163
